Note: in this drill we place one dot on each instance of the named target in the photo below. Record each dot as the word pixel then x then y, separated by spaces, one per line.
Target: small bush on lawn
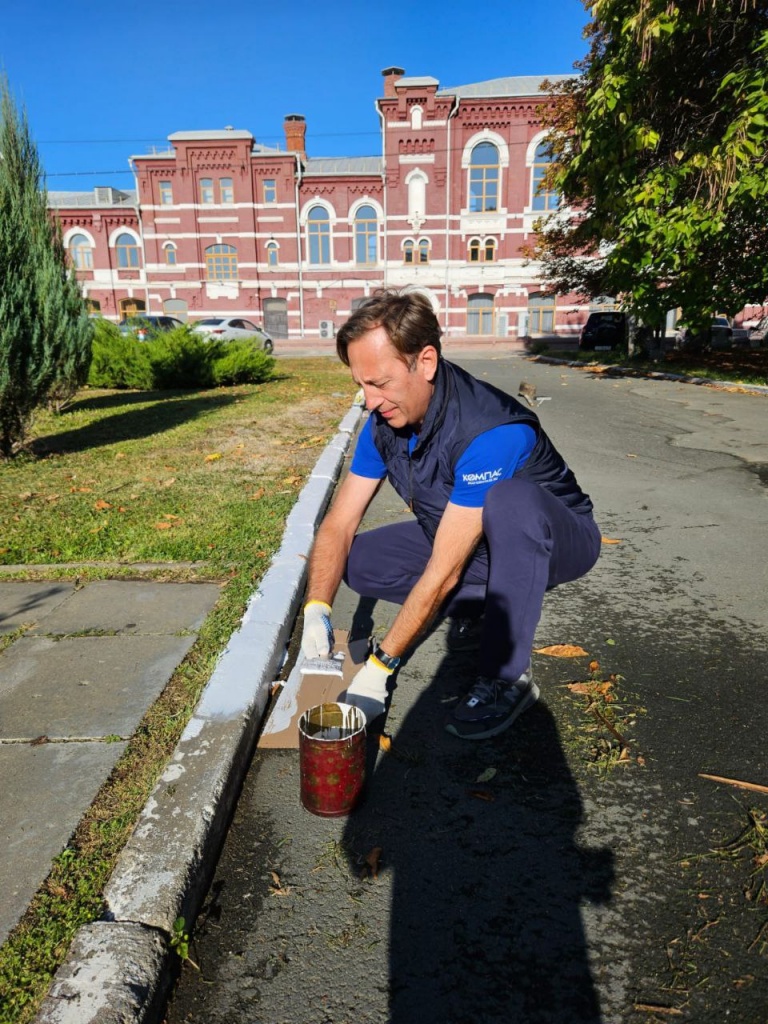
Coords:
pixel 181 359
pixel 118 361
pixel 173 359
pixel 242 362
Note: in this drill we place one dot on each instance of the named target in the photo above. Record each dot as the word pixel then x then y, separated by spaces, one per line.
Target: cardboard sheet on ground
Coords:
pixel 304 690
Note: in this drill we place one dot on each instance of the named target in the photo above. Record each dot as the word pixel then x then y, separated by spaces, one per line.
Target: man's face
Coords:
pixel 398 392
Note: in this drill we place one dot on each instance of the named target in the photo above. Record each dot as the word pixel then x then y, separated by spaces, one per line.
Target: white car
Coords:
pixel 232 328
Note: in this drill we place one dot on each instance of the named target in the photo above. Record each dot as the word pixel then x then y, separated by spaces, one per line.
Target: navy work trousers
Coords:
pixel 534 543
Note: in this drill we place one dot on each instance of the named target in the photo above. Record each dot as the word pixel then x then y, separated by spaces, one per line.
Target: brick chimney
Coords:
pixel 391 76
pixel 295 134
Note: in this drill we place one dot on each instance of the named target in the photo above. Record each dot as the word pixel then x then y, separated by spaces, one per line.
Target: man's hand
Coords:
pixel 317 638
pixel 368 690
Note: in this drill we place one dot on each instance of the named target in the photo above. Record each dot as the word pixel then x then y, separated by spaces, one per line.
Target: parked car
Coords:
pixel 759 333
pixel 233 328
pixel 145 326
pixel 718 336
pixel 603 331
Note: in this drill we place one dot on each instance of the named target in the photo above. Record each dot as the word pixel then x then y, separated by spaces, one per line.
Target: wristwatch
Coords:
pixel 386 659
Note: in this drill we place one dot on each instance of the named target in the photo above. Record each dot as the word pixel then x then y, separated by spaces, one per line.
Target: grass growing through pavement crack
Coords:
pixel 223 518
pixel 606 738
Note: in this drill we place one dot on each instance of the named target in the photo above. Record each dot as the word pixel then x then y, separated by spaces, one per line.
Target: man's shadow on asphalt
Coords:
pixel 488 877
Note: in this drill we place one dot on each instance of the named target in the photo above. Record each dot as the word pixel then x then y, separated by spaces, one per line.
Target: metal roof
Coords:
pixel 343 165
pixel 524 85
pixel 415 80
pixel 214 133
pixel 118 198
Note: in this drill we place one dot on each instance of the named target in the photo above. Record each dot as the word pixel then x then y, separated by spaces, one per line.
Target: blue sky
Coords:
pixel 102 82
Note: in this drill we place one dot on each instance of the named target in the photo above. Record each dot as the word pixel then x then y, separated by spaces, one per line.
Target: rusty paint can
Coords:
pixel 331 758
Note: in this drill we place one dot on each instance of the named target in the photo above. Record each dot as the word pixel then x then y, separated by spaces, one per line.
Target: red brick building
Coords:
pixel 220 224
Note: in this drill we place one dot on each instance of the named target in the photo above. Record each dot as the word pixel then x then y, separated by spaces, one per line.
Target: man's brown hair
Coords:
pixel 408 318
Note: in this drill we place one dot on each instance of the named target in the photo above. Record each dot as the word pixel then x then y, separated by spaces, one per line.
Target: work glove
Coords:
pixel 368 690
pixel 317 638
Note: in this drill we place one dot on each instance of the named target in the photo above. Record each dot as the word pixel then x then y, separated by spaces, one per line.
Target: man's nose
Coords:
pixel 372 398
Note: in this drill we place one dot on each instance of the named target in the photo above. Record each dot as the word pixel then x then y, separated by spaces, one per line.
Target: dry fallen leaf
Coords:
pixel 39 741
pixel 213 457
pixel 101 505
pixel 609 540
pixel 563 651
pixel 163 526
pixel 385 742
pixel 482 794
pixel 256 495
pixel 594 667
pixel 372 862
pixel 593 689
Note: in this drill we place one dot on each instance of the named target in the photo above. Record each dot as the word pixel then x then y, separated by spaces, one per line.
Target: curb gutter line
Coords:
pixel 116 970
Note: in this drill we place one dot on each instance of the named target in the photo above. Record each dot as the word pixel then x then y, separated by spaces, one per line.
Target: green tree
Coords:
pixel 45 333
pixel 660 147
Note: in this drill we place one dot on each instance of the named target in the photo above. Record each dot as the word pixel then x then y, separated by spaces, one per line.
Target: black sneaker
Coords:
pixel 492 705
pixel 464 634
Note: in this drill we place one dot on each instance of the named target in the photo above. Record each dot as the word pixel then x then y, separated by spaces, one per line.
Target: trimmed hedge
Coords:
pixel 173 359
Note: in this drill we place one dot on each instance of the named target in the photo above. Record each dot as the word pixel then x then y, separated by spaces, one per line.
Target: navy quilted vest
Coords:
pixel 461 408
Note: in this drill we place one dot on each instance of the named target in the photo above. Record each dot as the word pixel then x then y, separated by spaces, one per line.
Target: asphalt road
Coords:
pixel 524 879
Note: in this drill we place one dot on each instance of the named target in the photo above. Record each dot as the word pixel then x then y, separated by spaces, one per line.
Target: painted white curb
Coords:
pixel 166 866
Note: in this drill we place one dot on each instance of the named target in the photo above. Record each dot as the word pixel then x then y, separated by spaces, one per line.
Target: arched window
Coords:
pixel 206 190
pixel 417 117
pixel 221 263
pixel 81 252
pixel 424 248
pixel 226 191
pixel 473 253
pixel 272 254
pixel 417 196
pixel 408 250
pixel 484 178
pixel 480 314
pixel 169 250
pixel 366 236
pixel 131 307
pixel 127 251
pixel 541 198
pixel 319 231
pixel 489 249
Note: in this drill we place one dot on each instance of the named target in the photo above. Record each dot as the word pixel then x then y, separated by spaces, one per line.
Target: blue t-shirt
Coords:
pixel 492 456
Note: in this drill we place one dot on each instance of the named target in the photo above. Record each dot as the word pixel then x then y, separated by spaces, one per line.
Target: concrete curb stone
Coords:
pixel 116 970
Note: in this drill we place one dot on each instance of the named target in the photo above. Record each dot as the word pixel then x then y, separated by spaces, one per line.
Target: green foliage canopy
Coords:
pixel 661 148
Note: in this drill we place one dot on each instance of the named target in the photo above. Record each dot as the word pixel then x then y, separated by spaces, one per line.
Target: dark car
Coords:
pixel 603 331
pixel 145 326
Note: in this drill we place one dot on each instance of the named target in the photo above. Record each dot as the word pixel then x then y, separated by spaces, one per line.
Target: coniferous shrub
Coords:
pixel 119 361
pixel 182 359
pixel 44 337
pixel 242 362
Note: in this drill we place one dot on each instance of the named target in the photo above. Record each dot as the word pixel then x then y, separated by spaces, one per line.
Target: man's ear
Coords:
pixel 428 359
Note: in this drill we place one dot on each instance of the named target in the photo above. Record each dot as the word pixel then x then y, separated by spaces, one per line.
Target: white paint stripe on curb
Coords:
pixel 166 866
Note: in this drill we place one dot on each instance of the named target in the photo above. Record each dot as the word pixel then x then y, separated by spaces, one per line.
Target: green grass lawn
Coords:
pixel 165 485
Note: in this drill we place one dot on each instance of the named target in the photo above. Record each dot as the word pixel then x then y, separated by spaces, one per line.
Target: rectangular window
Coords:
pixel 166 193
pixel 226 190
pixel 270 190
pixel 206 190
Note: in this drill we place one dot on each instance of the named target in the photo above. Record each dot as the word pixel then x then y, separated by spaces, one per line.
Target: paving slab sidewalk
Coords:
pixel 74 684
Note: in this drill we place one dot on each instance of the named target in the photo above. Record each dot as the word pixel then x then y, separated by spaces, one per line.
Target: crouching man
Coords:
pixel 500 518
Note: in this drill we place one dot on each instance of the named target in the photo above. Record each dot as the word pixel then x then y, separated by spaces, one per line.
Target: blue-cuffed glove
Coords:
pixel 317 638
pixel 368 690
